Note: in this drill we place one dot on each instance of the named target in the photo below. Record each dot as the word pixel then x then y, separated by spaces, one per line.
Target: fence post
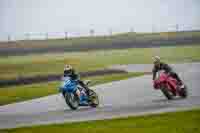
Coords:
pixel 47 36
pixel 27 36
pixel 9 38
pixel 177 28
pixel 110 31
pixel 66 35
pixel 132 30
pixel 92 32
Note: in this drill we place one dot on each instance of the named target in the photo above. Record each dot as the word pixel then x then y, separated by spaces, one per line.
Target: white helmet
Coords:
pixel 156 59
pixel 68 68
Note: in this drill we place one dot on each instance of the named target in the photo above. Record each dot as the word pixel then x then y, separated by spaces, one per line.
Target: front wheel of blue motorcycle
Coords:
pixel 72 100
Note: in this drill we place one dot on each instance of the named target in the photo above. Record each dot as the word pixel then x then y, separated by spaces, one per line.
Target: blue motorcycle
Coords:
pixel 69 90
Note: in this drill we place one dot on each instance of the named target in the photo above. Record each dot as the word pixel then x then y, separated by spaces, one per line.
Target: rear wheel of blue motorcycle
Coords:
pixel 72 100
pixel 94 99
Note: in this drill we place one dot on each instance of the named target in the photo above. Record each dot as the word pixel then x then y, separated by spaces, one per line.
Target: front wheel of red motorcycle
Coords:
pixel 167 93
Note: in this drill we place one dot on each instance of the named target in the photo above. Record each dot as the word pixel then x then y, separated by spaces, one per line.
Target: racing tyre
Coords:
pixel 167 93
pixel 93 99
pixel 72 100
pixel 184 92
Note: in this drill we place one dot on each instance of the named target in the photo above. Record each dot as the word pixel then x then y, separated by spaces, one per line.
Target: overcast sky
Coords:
pixel 21 16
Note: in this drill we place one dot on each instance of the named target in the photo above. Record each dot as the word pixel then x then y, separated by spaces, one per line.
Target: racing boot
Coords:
pixel 180 84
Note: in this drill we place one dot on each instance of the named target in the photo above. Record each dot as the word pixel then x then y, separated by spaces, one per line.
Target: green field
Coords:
pixel 98 40
pixel 26 92
pixel 44 64
pixel 177 122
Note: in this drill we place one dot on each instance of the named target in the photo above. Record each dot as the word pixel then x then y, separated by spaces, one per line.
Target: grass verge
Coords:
pixel 98 40
pixel 26 92
pixel 176 122
pixel 45 64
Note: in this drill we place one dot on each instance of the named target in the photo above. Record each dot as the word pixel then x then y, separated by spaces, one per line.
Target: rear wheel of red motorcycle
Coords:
pixel 167 94
pixel 184 92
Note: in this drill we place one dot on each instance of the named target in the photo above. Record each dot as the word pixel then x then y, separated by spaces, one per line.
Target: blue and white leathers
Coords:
pixel 68 85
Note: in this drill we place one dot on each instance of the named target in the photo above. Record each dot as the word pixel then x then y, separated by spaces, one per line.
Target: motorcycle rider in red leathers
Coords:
pixel 158 65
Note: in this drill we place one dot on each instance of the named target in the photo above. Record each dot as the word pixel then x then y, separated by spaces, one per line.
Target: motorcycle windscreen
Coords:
pixel 162 77
pixel 69 85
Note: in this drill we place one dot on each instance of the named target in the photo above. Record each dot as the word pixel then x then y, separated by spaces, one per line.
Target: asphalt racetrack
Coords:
pixel 134 96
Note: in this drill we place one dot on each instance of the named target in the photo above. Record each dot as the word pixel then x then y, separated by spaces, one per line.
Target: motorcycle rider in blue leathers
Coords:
pixel 70 72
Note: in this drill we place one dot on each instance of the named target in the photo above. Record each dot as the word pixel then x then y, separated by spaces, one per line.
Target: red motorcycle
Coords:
pixel 169 86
